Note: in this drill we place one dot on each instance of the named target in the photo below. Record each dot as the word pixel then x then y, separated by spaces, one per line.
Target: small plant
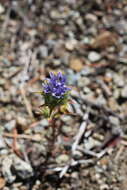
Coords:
pixel 56 97
pixel 55 93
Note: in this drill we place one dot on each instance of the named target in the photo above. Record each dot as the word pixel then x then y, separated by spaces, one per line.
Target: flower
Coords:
pixel 55 94
pixel 56 85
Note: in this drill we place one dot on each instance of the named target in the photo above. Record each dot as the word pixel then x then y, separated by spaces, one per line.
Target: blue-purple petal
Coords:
pixel 56 85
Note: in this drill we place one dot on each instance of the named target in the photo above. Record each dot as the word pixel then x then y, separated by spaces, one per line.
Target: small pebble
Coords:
pixel 66 129
pixel 71 44
pixel 6 169
pixel 43 51
pixel 76 64
pixel 94 56
pixel 104 187
pixel 22 168
pixel 118 80
pixel 10 125
pixel 83 81
pixel 63 158
pixel 2 9
pixel 124 92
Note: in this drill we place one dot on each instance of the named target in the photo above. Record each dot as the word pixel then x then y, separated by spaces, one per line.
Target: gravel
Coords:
pixel 86 40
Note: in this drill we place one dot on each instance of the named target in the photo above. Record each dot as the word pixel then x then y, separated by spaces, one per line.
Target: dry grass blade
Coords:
pixel 26 102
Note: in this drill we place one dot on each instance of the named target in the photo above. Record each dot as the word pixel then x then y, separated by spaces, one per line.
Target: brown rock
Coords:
pixel 104 40
pixel 76 64
pixel 2 182
pixel 113 104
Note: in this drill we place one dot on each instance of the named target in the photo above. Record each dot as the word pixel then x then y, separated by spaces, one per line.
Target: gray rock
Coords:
pixel 66 129
pixel 86 40
pixel 118 80
pixel 4 152
pixel 10 125
pixel 91 143
pixel 114 120
pixel 43 51
pixel 83 81
pixel 74 93
pixel 77 154
pixel 14 188
pixel 72 77
pixel 65 58
pixel 87 71
pixel 75 175
pixel 3 148
pixel 100 100
pixel 2 81
pixel 66 119
pixel 94 56
pixel 63 158
pixel 116 93
pixel 77 109
pixel 91 17
pixel 22 168
pixel 40 126
pixel 2 143
pixel 124 92
pixel 87 90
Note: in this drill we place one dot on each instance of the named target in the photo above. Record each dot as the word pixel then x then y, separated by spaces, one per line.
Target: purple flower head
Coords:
pixel 55 85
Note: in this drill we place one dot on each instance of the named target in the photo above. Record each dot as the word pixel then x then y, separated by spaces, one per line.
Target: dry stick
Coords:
pixel 81 132
pixel 75 144
pixel 75 162
pixel 64 170
pixel 51 143
pixel 87 152
pixel 72 163
pixel 22 86
pixel 54 136
pixel 120 151
pixel 100 107
pixel 15 143
pixel 28 105
pixel 32 137
pixel 104 87
pixel 26 102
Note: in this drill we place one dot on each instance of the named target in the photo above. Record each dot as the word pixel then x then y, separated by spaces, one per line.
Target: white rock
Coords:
pixel 1 9
pixel 71 44
pixel 94 56
pixel 43 50
pixel 91 17
pixel 6 169
pixel 62 159
pixel 124 92
pixel 90 143
pixel 118 80
pixel 104 187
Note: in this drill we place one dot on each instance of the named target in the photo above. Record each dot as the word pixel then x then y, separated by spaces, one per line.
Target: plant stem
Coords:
pixel 53 137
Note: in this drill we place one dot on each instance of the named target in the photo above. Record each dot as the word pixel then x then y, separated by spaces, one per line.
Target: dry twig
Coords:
pixel 36 137
pixel 81 132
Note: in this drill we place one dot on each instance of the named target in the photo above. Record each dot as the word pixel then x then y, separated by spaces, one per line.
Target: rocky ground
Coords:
pixel 87 40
